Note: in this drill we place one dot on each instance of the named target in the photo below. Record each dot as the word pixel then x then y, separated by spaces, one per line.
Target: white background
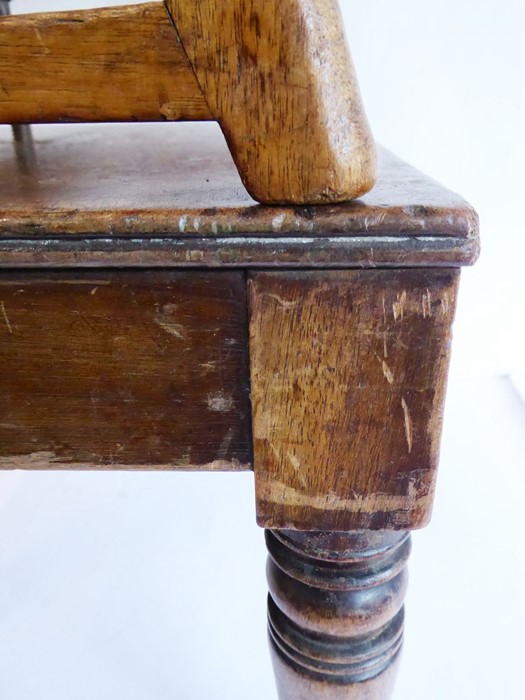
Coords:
pixel 151 586
pixel 444 86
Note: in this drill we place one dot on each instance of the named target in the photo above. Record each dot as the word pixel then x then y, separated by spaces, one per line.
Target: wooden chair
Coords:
pixel 154 316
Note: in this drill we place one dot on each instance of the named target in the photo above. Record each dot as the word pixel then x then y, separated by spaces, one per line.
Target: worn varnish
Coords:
pixel 348 373
pixel 335 613
pixel 113 195
pixel 113 64
pixel 278 77
pixel 142 370
pixel 287 101
pixel 145 369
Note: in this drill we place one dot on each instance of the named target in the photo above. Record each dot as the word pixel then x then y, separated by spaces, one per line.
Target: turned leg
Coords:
pixel 335 612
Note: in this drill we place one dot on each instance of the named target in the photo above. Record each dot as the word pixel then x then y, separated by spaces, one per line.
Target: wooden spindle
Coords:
pixel 336 612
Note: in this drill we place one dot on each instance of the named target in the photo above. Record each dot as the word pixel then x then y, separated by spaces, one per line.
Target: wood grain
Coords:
pixel 292 685
pixel 335 613
pixel 116 195
pixel 287 101
pixel 115 64
pixel 278 77
pixel 115 370
pixel 348 373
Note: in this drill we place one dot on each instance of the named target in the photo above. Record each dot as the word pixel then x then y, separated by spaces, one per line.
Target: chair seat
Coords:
pixel 169 194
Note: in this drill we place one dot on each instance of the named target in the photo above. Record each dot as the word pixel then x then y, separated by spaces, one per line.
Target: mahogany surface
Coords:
pixel 329 382
pixel 365 342
pixel 124 370
pixel 163 195
pixel 346 434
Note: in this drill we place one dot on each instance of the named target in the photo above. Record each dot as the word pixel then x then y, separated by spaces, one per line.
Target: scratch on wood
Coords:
pixel 209 366
pixel 171 328
pixel 278 221
pixel 220 402
pixel 225 445
pixel 276 491
pixel 166 321
pixel 387 372
pixel 409 430
pixel 296 464
pixel 445 304
pixel 30 461
pixel 6 318
pixel 398 307
pixel 49 460
pixel 194 255
pixel 283 302
pixel 40 41
pixel 426 304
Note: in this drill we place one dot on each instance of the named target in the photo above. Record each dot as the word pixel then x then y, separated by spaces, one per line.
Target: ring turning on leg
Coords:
pixel 335 612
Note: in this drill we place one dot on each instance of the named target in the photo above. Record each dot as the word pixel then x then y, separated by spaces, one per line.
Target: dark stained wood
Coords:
pixel 348 374
pixel 170 195
pixel 335 613
pixel 238 252
pixel 113 64
pixel 145 369
pixel 116 370
pixel 278 77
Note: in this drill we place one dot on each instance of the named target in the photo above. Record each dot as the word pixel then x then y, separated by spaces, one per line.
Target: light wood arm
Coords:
pixel 114 64
pixel 275 74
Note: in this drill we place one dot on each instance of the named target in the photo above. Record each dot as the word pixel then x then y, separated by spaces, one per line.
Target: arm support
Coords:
pixel 275 74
